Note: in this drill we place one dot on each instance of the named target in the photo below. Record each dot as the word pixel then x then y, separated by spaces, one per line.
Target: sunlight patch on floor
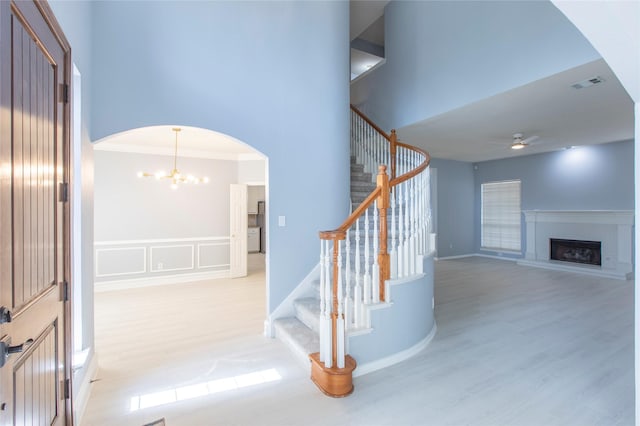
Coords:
pixel 183 393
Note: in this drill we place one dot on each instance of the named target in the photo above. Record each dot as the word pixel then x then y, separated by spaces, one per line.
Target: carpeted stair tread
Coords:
pixel 297 336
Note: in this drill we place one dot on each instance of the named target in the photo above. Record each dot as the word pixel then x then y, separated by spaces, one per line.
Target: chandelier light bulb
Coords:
pixel 175 176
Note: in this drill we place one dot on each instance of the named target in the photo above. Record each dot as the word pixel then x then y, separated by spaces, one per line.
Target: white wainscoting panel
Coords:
pixel 112 262
pixel 213 255
pixel 136 263
pixel 171 258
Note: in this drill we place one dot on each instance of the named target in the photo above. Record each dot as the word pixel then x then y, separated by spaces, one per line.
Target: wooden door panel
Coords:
pixel 34 152
pixel 34 377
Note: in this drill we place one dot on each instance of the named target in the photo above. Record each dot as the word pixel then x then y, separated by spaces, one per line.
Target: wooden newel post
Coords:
pixel 382 182
pixel 392 150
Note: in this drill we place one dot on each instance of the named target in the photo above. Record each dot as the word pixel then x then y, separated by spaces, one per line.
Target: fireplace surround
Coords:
pixel 612 229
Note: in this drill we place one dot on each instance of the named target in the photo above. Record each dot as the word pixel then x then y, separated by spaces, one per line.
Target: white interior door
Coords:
pixel 238 230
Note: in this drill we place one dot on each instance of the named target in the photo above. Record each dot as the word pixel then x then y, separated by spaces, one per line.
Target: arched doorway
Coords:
pixel 162 259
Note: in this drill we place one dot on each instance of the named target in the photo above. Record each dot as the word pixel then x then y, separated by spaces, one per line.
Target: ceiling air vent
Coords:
pixel 587 83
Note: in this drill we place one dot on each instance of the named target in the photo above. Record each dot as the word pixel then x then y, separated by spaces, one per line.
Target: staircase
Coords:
pixel 301 332
pixel 344 315
pixel 361 183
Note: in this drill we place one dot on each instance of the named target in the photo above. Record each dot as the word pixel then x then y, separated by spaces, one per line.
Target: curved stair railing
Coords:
pixel 384 238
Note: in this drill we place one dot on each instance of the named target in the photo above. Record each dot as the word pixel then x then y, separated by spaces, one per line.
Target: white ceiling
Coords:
pixel 192 142
pixel 362 13
pixel 550 108
pixel 366 23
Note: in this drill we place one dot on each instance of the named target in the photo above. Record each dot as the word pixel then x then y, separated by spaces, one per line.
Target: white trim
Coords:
pixel 169 152
pixel 586 269
pixel 285 308
pixel 601 217
pixel 200 265
pixel 157 241
pixel 162 280
pixel 461 256
pixel 151 262
pixel 488 256
pixel 251 156
pixel 114 274
pixel 493 256
pixel 390 360
pixel 81 398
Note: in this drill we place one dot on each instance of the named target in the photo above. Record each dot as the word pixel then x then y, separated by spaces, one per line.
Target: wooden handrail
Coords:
pixel 342 229
pixel 370 123
pixel 414 172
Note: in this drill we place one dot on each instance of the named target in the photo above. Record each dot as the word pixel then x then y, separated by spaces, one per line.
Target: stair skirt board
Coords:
pixel 286 308
pixel 298 333
pixel 396 358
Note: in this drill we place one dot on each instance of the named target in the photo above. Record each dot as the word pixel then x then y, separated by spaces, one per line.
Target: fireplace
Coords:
pixel 612 228
pixel 576 251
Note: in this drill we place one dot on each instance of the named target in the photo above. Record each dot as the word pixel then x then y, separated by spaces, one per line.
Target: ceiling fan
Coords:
pixel 519 141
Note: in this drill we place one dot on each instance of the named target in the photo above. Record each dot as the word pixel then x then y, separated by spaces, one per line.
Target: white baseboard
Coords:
pixel 81 398
pixel 493 256
pixel 461 256
pixel 285 308
pixel 552 266
pixel 370 367
pixel 577 269
pixel 489 256
pixel 161 280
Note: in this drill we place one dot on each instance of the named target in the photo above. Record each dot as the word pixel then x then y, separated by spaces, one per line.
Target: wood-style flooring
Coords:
pixel 515 346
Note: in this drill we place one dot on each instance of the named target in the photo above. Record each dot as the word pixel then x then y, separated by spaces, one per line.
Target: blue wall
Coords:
pixel 595 177
pixel 271 74
pixel 441 55
pixel 455 201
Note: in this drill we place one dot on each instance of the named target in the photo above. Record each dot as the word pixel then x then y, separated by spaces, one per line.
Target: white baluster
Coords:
pixel 328 343
pixel 348 302
pixel 421 213
pixel 340 328
pixel 357 291
pixel 366 296
pixel 393 253
pixel 322 331
pixel 401 212
pixel 412 223
pixel 375 272
pixel 407 229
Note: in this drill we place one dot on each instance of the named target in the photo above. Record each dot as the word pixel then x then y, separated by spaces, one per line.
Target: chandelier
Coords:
pixel 175 176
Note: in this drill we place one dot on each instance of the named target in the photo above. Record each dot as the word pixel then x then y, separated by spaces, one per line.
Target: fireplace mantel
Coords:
pixel 613 228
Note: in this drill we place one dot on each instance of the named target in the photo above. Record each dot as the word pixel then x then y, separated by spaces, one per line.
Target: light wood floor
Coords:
pixel 515 346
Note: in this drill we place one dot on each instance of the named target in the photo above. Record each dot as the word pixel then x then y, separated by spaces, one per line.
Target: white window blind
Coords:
pixel 500 216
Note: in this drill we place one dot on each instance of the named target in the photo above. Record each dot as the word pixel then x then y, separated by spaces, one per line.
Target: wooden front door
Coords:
pixel 34 224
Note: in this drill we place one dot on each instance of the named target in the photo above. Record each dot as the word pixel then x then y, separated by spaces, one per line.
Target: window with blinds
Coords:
pixel 500 216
